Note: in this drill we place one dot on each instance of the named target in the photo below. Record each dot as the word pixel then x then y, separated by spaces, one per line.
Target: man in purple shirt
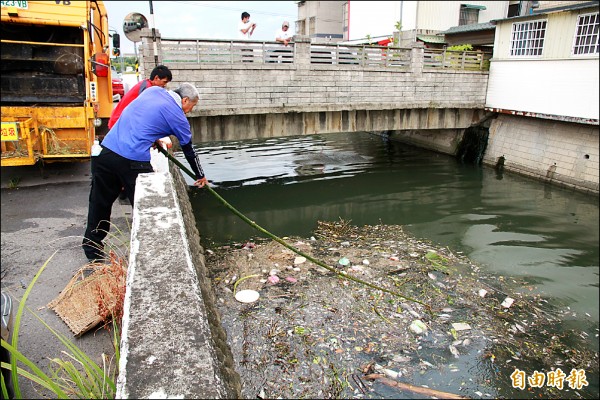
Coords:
pixel 156 113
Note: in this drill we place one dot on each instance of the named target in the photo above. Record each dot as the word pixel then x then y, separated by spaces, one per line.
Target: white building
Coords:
pixel 547 63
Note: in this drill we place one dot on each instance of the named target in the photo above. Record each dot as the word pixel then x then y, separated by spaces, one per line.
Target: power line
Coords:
pixel 197 4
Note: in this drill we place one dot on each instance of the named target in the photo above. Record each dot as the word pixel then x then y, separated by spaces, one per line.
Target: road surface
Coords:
pixel 43 214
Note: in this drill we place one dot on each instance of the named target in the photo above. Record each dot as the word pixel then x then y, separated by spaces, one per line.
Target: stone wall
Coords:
pixel 562 153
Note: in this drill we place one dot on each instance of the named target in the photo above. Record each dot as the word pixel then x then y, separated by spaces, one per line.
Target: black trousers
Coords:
pixel 110 173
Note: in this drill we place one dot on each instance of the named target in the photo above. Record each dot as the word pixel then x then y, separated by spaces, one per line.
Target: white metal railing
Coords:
pixel 451 59
pixel 225 51
pixel 365 55
pixel 215 51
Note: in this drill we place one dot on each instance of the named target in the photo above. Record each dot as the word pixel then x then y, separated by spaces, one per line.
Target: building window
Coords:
pixel 586 35
pixel 528 38
pixel 513 10
pixel 469 14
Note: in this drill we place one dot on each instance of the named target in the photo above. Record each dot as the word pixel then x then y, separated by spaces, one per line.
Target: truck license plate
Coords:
pixel 18 4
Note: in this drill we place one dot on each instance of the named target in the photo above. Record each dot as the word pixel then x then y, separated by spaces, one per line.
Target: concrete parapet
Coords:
pixel 172 344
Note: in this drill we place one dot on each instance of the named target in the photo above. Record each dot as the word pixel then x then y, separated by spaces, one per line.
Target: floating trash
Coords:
pixel 273 279
pixel 507 302
pixel 482 292
pixel 454 351
pixel 299 260
pixel 418 326
pixel 291 279
pixel 365 262
pixel 461 326
pixel 343 261
pixel 247 296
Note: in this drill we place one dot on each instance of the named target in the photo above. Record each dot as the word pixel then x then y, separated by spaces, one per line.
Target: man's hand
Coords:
pixel 201 182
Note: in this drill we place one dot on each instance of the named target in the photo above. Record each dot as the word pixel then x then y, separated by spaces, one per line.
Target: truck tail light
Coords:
pixel 100 64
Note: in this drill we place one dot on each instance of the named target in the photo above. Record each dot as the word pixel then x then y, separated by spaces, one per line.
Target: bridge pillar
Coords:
pixel 416 54
pixel 302 50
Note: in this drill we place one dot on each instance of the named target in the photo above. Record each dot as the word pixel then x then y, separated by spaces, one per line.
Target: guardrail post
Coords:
pixel 416 58
pixel 302 51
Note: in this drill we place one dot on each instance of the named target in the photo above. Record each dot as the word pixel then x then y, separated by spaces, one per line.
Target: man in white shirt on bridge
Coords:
pixel 245 27
pixel 284 36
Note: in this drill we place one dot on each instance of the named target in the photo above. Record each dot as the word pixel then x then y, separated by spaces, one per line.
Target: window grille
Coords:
pixel 468 15
pixel 527 38
pixel 586 35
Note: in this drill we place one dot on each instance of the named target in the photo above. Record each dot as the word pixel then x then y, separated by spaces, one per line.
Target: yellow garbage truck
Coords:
pixel 56 95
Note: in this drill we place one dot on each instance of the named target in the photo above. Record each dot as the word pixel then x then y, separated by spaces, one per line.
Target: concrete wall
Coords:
pixel 252 126
pixel 172 342
pixel 563 153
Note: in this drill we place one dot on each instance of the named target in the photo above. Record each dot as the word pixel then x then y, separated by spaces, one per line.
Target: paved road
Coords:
pixel 41 214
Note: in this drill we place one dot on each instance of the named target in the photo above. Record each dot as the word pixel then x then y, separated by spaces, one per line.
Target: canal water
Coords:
pixel 510 225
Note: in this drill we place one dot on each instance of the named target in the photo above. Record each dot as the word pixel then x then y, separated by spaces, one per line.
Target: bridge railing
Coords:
pixel 215 51
pixel 452 59
pixel 224 51
pixel 364 55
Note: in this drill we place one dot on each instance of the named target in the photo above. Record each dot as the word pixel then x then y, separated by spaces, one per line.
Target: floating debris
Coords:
pixel 313 337
pixel 299 260
pixel 507 302
pixel 344 261
pixel 247 296
pixel 418 327
pixel 461 326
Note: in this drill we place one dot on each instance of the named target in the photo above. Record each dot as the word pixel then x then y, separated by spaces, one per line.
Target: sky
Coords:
pixel 203 19
pixel 219 19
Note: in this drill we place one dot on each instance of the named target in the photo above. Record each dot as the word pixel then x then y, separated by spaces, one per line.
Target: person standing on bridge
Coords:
pixel 245 27
pixel 125 154
pixel 284 36
pixel 160 76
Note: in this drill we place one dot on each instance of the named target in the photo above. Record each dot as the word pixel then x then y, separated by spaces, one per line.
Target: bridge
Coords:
pixel 253 89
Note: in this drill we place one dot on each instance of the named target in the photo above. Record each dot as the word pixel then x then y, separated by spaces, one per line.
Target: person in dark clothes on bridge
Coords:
pixel 125 154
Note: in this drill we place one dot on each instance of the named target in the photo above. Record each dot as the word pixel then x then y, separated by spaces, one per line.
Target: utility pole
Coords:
pixel 153 33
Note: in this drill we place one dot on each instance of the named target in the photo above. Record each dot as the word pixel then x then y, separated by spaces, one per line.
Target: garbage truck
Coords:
pixel 56 93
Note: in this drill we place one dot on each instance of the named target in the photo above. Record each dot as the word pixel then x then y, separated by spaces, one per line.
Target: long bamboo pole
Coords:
pixel 278 239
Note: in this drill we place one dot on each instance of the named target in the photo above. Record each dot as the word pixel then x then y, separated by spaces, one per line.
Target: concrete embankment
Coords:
pixel 173 344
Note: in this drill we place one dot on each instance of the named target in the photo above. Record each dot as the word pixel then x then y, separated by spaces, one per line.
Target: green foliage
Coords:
pixel 79 376
pixel 398 26
pixel 460 47
pixel 13 183
pixel 127 62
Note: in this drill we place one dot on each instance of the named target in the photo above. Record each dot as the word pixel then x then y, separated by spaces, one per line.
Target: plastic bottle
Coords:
pixel 96 148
